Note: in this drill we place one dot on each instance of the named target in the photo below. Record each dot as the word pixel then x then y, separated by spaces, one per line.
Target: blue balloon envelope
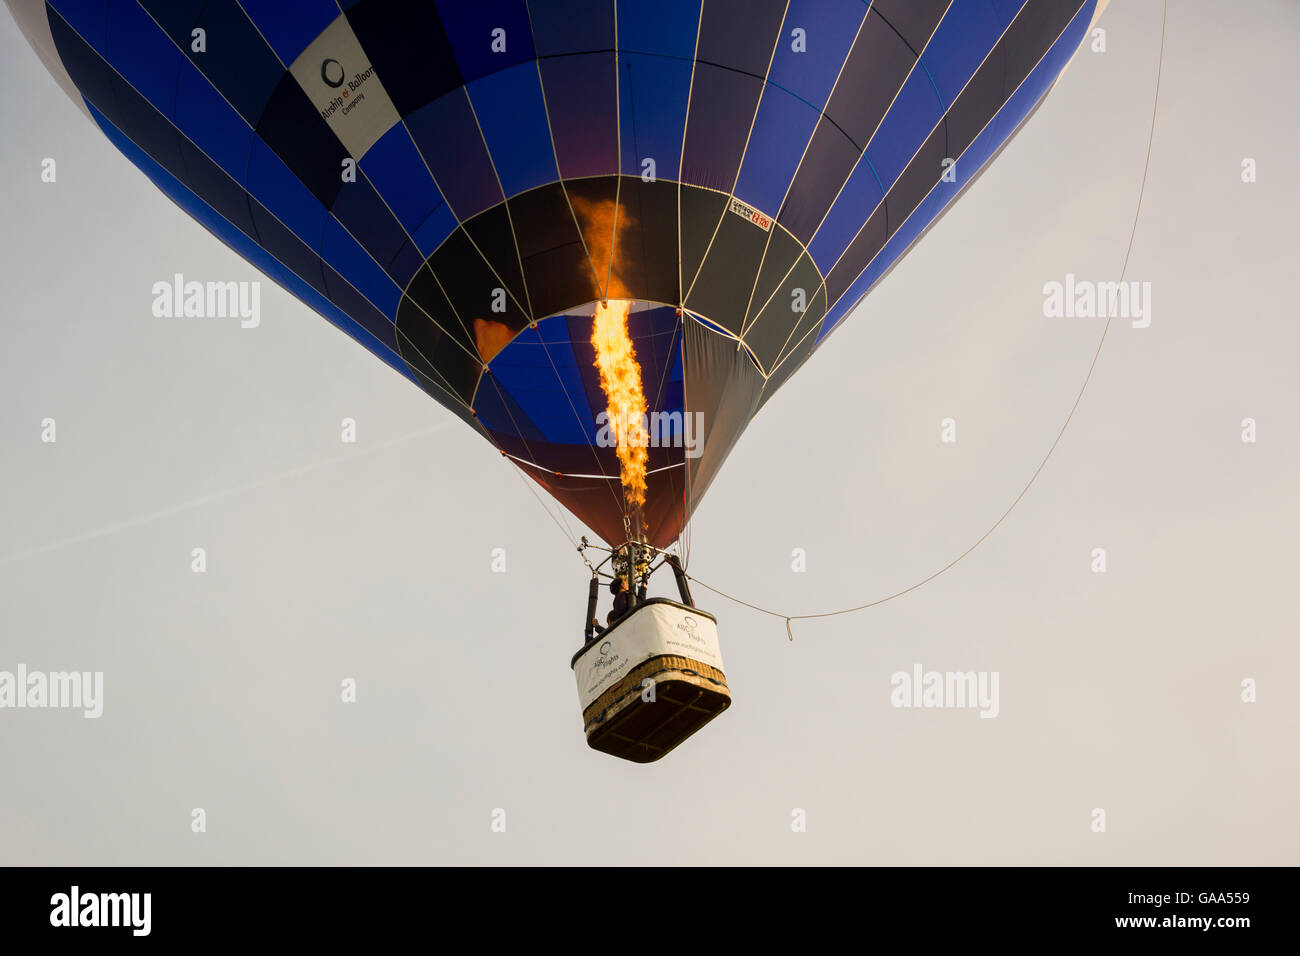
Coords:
pixel 457 185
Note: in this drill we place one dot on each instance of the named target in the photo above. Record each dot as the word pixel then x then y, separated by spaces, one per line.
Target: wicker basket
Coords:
pixel 651 680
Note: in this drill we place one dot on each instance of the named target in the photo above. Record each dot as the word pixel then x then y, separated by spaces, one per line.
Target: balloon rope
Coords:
pixel 528 483
pixel 1078 398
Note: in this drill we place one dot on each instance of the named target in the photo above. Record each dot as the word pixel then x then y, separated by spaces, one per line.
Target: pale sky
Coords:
pixel 372 561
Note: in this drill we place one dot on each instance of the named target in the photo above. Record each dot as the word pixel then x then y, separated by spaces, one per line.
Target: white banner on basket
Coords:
pixel 650 631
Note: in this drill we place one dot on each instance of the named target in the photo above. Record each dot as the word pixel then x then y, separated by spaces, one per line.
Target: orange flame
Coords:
pixel 491 337
pixel 620 378
pixel 604 226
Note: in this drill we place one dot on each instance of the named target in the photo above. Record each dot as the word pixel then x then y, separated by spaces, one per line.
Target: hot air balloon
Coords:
pixel 602 232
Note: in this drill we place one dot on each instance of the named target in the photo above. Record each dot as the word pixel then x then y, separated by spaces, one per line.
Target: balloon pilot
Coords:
pixel 623 602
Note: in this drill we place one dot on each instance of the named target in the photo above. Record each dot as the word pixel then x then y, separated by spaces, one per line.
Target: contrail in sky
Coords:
pixel 217 496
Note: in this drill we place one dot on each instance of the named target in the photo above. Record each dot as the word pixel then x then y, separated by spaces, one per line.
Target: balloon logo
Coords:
pixel 690 626
pixel 332 77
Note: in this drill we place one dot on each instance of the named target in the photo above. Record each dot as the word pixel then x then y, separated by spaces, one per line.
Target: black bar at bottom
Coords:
pixel 923 906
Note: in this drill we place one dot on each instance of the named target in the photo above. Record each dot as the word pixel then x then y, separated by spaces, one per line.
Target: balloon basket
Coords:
pixel 651 680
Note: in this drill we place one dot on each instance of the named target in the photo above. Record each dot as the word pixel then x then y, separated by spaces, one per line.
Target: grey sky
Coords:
pixel 372 561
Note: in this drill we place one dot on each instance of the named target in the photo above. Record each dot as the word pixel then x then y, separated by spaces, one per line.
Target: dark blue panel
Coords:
pixel 382 346
pixel 144 55
pixel 658 344
pixel 665 27
pixel 464 174
pixel 967 32
pixel 824 167
pixel 408 48
pixel 295 131
pixel 581 104
pixel 985 146
pixel 524 372
pixel 275 186
pixel 403 266
pixel 653 92
pixel 469 28
pixel 214 186
pixel 1006 9
pixel 497 410
pixel 829 27
pixel 910 120
pixel 861 194
pixel 512 115
pixel 239 63
pixel 723 106
pixel 394 167
pixel 212 123
pixel 145 126
pixel 740 34
pixel 350 299
pixel 431 233
pixel 341 251
pixel 85 66
pixel 572 26
pixel 290 27
pixel 905 127
pixel 876 68
pixel 176 18
pixel 781 131
pixel 88 19
pixel 559 335
pixel 275 237
pixel 361 211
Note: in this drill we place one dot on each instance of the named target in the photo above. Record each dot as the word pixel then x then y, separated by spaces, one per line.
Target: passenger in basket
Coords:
pixel 622 603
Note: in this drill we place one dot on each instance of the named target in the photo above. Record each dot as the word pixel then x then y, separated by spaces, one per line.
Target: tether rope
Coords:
pixel 788 618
